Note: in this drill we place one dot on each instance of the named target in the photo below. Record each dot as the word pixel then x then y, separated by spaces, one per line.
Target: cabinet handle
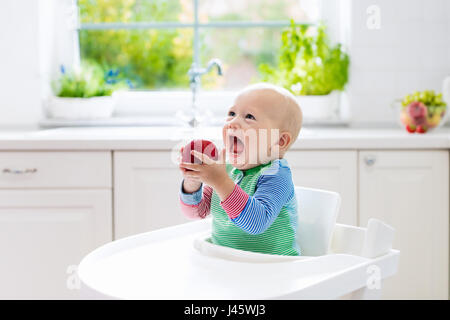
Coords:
pixel 26 171
pixel 370 160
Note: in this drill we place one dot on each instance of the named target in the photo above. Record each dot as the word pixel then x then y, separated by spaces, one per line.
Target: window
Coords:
pixel 153 43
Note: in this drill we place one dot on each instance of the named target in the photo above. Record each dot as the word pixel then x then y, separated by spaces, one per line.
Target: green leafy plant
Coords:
pixel 90 80
pixel 307 63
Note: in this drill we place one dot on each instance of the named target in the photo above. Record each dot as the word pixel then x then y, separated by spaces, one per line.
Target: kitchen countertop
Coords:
pixel 165 138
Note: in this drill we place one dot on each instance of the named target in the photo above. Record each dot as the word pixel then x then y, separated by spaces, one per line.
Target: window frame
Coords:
pixel 140 100
pixel 195 25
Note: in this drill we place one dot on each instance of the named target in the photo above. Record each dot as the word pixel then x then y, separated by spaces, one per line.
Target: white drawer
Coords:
pixel 55 169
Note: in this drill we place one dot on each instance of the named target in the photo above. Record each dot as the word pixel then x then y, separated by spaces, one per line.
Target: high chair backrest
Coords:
pixel 317 214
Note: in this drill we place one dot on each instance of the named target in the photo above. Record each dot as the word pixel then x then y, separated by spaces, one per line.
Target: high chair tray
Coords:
pixel 178 263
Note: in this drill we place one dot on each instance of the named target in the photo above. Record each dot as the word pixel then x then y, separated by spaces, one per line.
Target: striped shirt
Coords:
pixel 259 215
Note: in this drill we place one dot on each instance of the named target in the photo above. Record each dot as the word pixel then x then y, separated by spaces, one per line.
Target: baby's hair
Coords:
pixel 269 86
pixel 292 115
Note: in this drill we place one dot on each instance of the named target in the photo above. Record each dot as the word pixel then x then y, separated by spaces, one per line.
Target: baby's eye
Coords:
pixel 231 113
pixel 250 116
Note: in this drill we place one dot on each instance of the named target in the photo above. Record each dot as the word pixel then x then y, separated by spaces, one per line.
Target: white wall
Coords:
pixel 410 51
pixel 19 62
pixel 36 37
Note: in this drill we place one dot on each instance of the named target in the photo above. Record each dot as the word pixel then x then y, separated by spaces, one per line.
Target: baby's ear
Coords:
pixel 284 140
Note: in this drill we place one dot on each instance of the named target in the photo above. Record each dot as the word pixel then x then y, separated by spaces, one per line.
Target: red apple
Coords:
pixel 204 146
pixel 418 112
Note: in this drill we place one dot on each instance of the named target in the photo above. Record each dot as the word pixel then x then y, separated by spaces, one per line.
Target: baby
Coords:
pixel 252 198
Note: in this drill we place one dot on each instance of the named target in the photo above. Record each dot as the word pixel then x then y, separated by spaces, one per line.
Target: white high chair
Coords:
pixel 178 263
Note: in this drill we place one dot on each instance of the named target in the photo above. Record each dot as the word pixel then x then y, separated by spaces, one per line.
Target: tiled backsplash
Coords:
pixel 410 51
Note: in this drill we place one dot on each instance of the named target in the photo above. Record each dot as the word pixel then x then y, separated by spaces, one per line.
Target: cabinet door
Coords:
pixel 146 192
pixel 409 190
pixel 328 170
pixel 44 234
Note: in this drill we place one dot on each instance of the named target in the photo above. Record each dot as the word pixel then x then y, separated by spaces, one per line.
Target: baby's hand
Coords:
pixel 210 171
pixel 190 183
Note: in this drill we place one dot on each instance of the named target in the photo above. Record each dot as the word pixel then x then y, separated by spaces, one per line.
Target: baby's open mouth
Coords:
pixel 236 146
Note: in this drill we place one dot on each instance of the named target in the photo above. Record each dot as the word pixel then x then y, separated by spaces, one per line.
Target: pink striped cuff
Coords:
pixel 189 210
pixel 200 210
pixel 235 202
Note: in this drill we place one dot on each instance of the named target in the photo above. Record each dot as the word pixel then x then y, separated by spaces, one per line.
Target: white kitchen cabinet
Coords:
pixel 328 170
pixel 39 170
pixel 146 192
pixel 55 207
pixel 44 234
pixel 410 191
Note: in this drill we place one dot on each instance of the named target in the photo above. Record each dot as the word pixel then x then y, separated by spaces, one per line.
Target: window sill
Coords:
pixel 112 122
pixel 161 121
pixel 157 108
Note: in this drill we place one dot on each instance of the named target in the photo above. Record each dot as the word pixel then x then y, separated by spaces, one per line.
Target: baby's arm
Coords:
pixel 254 214
pixel 195 200
pixel 196 205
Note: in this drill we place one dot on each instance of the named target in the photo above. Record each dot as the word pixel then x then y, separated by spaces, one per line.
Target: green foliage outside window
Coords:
pixel 149 58
pixel 161 58
pixel 308 64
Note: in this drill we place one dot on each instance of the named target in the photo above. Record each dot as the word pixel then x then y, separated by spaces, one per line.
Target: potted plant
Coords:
pixel 422 111
pixel 311 68
pixel 83 94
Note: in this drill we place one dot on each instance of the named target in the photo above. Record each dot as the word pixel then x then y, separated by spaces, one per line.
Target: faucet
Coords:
pixel 194 81
pixel 195 73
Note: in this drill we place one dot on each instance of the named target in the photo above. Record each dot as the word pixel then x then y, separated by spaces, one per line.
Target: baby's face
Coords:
pixel 250 134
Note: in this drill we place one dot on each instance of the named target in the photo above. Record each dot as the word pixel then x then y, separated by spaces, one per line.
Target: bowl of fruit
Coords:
pixel 421 112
